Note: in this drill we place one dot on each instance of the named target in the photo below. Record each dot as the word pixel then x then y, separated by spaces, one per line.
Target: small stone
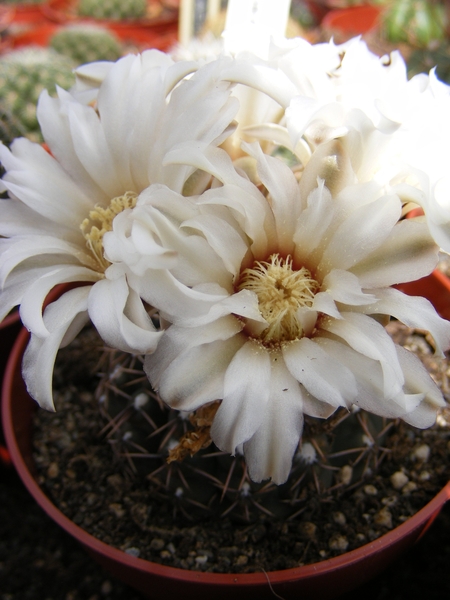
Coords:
pixel 383 518
pixel 117 510
pixel 307 530
pixel 53 471
pixel 132 551
pixel 389 501
pixel 370 490
pixel 339 518
pixel 399 480
pixel 165 554
pixel 106 588
pixel 411 486
pixel 157 544
pixel 171 548
pixel 424 476
pixel 422 453
pixel 202 559
pixel 339 543
pixel 115 481
pixel 241 560
pixel 346 474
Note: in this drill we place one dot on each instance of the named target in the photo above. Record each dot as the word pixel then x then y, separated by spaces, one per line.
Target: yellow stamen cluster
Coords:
pixel 281 292
pixel 100 221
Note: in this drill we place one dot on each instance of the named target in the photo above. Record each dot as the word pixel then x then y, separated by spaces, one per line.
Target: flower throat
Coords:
pixel 100 222
pixel 281 292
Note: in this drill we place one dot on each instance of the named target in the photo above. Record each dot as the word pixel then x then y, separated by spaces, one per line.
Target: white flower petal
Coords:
pixel 177 340
pixel 413 311
pixel 344 287
pixel 120 318
pixel 408 254
pixel 325 378
pixel 246 393
pixel 367 227
pixel 369 338
pixel 226 241
pixel 196 376
pixel 64 319
pixel 269 452
pixel 36 292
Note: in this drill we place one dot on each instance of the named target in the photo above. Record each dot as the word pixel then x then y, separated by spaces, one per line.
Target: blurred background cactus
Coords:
pixel 116 10
pixel 10 126
pixel 85 43
pixel 420 23
pixel 24 74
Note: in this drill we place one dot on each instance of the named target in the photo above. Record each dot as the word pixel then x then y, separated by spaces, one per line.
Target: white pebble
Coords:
pixel 422 453
pixel 339 518
pixel 411 486
pixel 384 518
pixel 370 490
pixel 338 542
pixel 133 551
pixel 399 480
pixel 201 560
pixel 346 474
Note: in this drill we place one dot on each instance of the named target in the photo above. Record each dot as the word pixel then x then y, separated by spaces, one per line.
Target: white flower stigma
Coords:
pixel 281 292
pixel 100 222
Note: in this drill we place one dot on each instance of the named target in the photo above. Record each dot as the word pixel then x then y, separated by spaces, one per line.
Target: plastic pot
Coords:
pixel 352 21
pixel 29 13
pixel 320 581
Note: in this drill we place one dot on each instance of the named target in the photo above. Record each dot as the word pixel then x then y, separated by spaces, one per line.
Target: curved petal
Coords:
pixel 120 318
pixel 325 378
pixel 246 393
pixel 408 254
pixel 36 292
pixel 269 452
pixel 197 375
pixel 413 311
pixel 64 319
pixel 369 338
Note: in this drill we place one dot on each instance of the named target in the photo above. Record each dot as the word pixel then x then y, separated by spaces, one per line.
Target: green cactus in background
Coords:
pixel 24 74
pixel 10 126
pixel 24 1
pixel 115 10
pixel 86 43
pixel 419 23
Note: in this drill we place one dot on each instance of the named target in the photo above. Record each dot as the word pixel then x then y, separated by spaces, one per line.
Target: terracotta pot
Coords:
pixel 320 581
pixel 352 21
pixel 9 330
pixel 30 14
pixel 36 36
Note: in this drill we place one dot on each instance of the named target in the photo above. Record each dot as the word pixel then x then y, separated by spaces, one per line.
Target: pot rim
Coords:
pixel 418 522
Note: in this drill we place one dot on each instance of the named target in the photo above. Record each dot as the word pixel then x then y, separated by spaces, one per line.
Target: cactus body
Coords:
pixel 24 74
pixel 86 43
pixel 419 23
pixel 115 10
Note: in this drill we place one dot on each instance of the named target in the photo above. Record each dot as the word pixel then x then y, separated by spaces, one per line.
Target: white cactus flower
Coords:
pixel 61 203
pixel 274 302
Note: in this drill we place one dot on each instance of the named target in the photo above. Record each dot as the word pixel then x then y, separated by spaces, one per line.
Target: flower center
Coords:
pixel 282 292
pixel 100 221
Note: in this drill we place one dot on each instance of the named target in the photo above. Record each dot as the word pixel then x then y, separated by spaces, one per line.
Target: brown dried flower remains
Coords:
pixel 199 437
